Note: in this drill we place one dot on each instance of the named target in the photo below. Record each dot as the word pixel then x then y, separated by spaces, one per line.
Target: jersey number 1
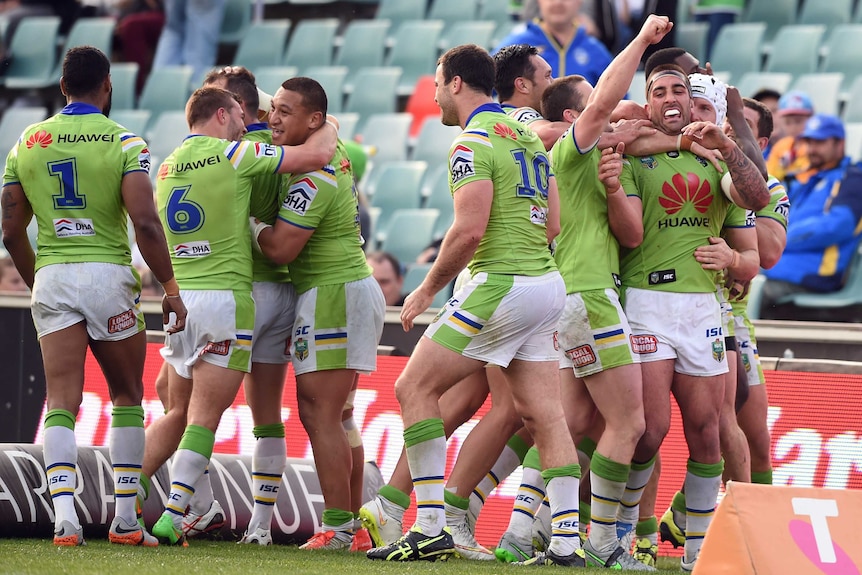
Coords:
pixel 66 171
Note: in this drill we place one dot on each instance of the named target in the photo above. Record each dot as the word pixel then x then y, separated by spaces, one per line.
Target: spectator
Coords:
pixel 138 31
pixel 787 155
pixel 387 271
pixel 190 35
pixel 562 40
pixel 769 98
pixel 822 233
pixel 716 13
pixel 10 279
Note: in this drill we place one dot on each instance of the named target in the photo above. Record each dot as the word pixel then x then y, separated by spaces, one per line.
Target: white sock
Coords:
pixel 61 460
pixel 266 470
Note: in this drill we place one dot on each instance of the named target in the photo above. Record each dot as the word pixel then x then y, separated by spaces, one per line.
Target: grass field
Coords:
pixel 26 556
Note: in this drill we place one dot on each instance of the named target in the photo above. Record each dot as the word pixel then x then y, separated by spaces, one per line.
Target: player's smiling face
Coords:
pixel 289 119
pixel 669 104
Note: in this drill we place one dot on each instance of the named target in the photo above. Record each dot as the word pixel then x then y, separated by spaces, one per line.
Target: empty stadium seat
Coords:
pixel 843 53
pixel 13 123
pixel 479 32
pixel 498 11
pixel 408 233
pixel 691 36
pixel 311 44
pixel 396 187
pixel 375 93
pixel 347 122
pixel 421 104
pixel 270 78
pixel 853 107
pixel 362 46
pixel 167 89
pixel 167 133
pixel 34 53
pixel 414 277
pixel 751 82
pixel 853 140
pixel 433 143
pixel 795 50
pixel 386 134
pixel 415 51
pixel 235 22
pixel 398 11
pixel 637 88
pixel 824 90
pixel 829 14
pixel 332 80
pixel 134 121
pixel 773 13
pixel 737 49
pixel 124 76
pixel 263 44
pixel 452 11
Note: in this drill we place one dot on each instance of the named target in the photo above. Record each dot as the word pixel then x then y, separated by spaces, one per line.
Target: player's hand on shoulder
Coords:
pixel 174 305
pixel 706 134
pixel 627 131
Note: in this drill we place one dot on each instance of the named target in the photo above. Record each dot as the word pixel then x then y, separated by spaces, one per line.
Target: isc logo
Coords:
pixel 126 480
pixel 59 478
pixel 713 332
pixel 269 488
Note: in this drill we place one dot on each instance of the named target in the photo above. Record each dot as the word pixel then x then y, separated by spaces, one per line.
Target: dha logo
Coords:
pixel 300 196
pixel 41 137
pixel 69 227
pixel 684 189
pixel 192 249
pixel 461 163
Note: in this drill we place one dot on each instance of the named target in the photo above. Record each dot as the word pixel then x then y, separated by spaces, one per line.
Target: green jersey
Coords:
pixel 327 202
pixel 265 199
pixel 588 254
pixel 495 147
pixel 203 191
pixel 71 167
pixel 683 206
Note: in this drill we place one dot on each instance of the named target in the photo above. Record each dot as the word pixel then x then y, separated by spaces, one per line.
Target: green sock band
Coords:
pixel 588 446
pixel 608 468
pixel 127 416
pixel 646 527
pixel 456 500
pixel 519 446
pixel 705 470
pixel 336 517
pixel 395 495
pixel 198 439
pixel 585 513
pixel 531 460
pixel 573 470
pixel 424 430
pixel 762 477
pixel 678 502
pixel 60 418
pixel 268 430
pixel 145 485
pixel 641 466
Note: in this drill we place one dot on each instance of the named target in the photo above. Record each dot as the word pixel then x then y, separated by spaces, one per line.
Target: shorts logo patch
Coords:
pixel 72 227
pixel 300 349
pixel 582 356
pixel 538 215
pixel 644 343
pixel 300 196
pixel 461 163
pixel 262 150
pixel 718 350
pixel 217 347
pixel 144 160
pixel 192 249
pixel 122 322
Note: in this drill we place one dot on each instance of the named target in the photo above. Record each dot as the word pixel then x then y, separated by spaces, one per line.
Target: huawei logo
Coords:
pixel 41 137
pixel 504 131
pixel 682 189
pixel 163 171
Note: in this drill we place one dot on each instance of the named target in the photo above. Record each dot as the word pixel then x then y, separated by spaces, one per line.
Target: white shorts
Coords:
pixel 338 327
pixel 105 296
pixel 274 313
pixel 496 318
pixel 594 333
pixel 681 326
pixel 219 330
pixel 746 346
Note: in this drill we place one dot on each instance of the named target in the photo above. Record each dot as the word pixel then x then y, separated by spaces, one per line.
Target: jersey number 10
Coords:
pixel 534 174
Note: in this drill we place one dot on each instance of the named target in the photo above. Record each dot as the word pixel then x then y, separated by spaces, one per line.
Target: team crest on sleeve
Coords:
pixel 461 163
pixel 262 150
pixel 300 196
pixel 144 159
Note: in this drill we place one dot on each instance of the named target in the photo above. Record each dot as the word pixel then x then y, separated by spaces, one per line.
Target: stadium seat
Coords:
pixel 375 93
pixel 399 11
pixel 332 80
pixel 13 123
pixel 134 121
pixel 362 46
pixel 414 277
pixel 498 11
pixel 124 75
pixel 386 135
pixel 415 52
pixel 849 295
pixel 263 44
pixel 433 143
pixel 853 106
pixel 824 90
pixel 408 233
pixel 439 197
pixel 442 225
pixel 751 82
pixel 311 43
pixel 843 53
pixel 479 32
pixel 637 89
pixel 829 14
pixel 270 78
pixel 796 50
pixel 96 32
pixel 755 296
pixel 347 122
pixel 853 140
pixel 421 104
pixel 34 53
pixel 773 13
pixel 451 11
pixel 236 21
pixel 691 36
pixel 168 132
pixel 737 49
pixel 167 89
pixel 396 187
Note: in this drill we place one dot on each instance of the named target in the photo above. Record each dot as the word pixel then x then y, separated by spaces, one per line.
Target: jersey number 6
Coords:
pixel 184 216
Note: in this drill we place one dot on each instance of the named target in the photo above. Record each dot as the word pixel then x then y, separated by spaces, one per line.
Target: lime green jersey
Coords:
pixel 683 206
pixel 265 199
pixel 203 191
pixel 495 147
pixel 587 254
pixel 327 202
pixel 71 167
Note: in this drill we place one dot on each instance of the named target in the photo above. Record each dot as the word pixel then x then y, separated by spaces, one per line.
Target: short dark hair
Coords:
pixel 205 101
pixel 764 122
pixel 240 81
pixel 84 70
pixel 663 56
pixel 512 62
pixel 381 257
pixel 666 68
pixel 562 95
pixel 313 95
pixel 472 63
pixel 765 93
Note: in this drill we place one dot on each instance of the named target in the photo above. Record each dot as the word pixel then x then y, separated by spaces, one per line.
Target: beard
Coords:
pixel 106 109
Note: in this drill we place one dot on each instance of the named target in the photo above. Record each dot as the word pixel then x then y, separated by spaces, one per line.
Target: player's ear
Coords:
pixel 316 120
pixel 63 85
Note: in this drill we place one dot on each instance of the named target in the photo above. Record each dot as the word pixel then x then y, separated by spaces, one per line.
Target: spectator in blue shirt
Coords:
pixel 561 41
pixel 824 226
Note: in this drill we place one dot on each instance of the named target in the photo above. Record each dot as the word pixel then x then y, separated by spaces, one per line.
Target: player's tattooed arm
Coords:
pixel 17 214
pixel 748 182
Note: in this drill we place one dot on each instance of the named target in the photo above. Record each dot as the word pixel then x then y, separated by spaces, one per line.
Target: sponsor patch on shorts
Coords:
pixel 192 249
pixel 122 322
pixel 582 355
pixel 71 227
pixel 217 347
pixel 644 343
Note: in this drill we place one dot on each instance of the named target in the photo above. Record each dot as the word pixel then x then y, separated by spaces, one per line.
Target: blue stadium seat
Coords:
pixel 362 46
pixel 311 44
pixel 236 21
pixel 415 51
pixel 263 44
pixel 332 80
pixel 737 49
pixel 397 187
pixel 843 53
pixel 386 134
pixel 408 233
pixel 34 53
pixel 124 76
pixel 796 50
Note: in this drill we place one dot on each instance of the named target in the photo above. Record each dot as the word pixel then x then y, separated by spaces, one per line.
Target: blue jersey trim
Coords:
pixel 11 184
pixel 133 171
pixel 257 127
pixel 295 224
pixel 280 160
pixel 489 107
pixel 79 109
